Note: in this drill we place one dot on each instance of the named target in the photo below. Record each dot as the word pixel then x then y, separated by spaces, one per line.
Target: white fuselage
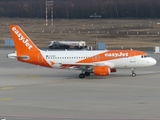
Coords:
pixel 68 57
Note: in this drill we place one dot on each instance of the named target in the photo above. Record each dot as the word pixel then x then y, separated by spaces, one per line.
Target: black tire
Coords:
pixel 81 75
pixel 76 47
pixel 133 74
pixel 51 47
pixel 87 73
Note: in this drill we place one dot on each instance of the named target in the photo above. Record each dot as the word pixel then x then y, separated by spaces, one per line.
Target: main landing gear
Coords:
pixel 133 72
pixel 83 74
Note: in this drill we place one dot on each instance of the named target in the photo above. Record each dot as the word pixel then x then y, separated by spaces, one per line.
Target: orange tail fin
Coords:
pixel 21 40
pixel 26 50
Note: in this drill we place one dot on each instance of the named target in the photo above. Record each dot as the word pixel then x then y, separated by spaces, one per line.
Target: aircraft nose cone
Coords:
pixel 152 61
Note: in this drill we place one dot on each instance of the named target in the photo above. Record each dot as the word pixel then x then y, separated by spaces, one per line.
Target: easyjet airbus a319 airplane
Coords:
pixel 100 63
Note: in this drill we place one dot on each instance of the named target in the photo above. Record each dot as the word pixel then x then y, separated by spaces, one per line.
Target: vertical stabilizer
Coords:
pixel 26 50
pixel 21 40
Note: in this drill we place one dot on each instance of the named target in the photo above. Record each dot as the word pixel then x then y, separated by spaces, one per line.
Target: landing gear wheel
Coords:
pixel 87 73
pixel 133 74
pixel 81 75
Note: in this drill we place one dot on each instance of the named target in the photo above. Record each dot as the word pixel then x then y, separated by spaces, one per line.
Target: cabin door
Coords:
pixel 132 57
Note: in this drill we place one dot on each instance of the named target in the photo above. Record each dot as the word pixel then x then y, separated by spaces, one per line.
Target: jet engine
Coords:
pixel 101 70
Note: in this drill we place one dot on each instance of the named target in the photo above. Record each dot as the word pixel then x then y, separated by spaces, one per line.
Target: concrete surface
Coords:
pixel 37 93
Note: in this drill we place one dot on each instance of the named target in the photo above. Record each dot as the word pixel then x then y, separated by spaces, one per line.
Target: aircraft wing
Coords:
pixel 75 65
pixel 86 65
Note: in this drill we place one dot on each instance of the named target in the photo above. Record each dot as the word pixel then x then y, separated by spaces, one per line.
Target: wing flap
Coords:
pixel 74 65
pixel 79 65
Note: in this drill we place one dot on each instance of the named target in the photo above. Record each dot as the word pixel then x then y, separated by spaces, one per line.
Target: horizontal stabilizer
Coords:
pixel 14 55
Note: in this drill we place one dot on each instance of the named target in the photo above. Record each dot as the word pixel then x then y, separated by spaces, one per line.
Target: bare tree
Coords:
pixel 82 8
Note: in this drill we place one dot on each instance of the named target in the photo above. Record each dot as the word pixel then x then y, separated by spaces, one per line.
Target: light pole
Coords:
pixel 49 3
pixel 95 16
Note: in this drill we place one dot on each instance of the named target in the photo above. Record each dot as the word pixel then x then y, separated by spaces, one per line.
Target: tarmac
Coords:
pixel 29 92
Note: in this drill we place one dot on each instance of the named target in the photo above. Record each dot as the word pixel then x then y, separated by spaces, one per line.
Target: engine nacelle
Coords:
pixel 101 70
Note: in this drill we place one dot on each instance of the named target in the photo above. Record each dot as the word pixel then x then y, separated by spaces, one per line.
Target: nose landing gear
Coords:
pixel 133 72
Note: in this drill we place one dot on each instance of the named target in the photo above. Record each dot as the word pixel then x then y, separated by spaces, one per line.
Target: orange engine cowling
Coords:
pixel 101 70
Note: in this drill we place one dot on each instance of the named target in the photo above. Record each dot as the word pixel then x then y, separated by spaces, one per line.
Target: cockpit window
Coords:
pixel 144 56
